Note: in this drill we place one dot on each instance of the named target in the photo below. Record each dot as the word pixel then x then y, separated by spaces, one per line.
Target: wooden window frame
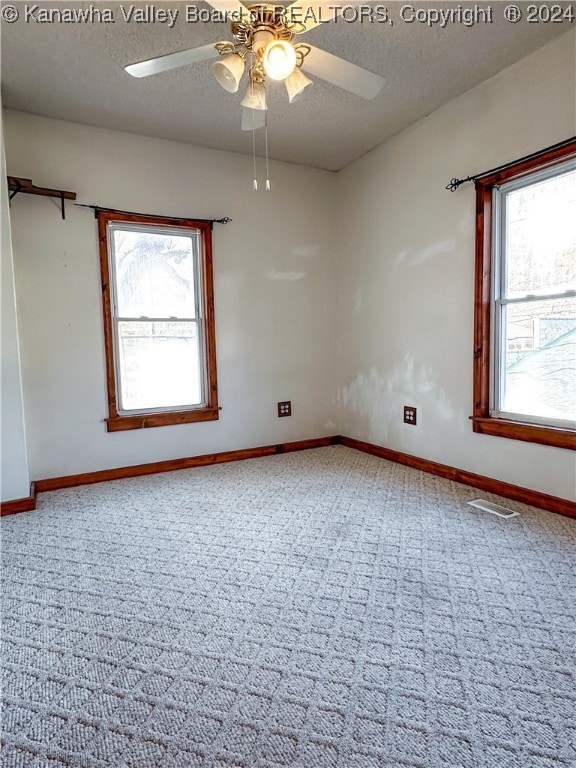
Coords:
pixel 482 420
pixel 208 411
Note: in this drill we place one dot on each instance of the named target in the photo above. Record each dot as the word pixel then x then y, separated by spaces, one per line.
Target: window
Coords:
pixel 525 308
pixel 158 320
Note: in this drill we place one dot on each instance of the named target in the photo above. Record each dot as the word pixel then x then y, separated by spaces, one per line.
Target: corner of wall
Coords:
pixel 14 471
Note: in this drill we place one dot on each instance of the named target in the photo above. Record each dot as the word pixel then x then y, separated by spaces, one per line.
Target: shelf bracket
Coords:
pixel 17 184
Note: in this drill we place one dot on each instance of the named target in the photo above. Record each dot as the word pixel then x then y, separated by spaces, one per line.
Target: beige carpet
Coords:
pixel 323 609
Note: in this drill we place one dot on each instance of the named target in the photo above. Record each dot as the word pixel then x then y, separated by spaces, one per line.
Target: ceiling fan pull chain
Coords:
pixel 267 165
pixel 255 182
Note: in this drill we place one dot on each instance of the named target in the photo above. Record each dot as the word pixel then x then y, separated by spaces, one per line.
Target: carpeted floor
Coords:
pixel 312 610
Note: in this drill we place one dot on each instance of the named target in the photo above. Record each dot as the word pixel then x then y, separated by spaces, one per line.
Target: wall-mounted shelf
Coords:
pixel 16 185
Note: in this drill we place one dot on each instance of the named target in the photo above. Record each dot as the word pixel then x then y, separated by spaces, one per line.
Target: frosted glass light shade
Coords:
pixel 295 85
pixel 279 59
pixel 255 97
pixel 229 71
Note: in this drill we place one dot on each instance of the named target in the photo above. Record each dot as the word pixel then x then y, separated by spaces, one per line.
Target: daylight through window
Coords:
pixel 158 314
pixel 525 378
pixel 535 324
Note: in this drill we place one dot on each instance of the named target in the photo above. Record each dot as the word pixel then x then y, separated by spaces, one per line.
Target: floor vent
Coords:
pixel 494 509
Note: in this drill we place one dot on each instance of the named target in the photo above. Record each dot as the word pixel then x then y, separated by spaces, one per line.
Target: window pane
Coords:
pixel 540 359
pixel 154 274
pixel 541 237
pixel 159 365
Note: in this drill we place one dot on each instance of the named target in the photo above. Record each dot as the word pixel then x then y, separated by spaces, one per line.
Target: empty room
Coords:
pixel 288 385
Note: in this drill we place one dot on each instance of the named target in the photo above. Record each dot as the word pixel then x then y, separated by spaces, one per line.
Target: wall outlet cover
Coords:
pixel 410 415
pixel 285 408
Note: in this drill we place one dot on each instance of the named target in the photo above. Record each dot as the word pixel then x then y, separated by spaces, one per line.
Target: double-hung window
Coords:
pixel 525 325
pixel 158 320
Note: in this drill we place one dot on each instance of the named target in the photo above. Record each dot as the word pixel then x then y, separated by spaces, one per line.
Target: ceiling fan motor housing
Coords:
pixel 266 23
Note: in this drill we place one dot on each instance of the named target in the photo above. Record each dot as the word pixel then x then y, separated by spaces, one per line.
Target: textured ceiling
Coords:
pixel 75 72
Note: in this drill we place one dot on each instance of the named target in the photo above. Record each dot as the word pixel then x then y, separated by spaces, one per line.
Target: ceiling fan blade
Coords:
pixel 342 73
pixel 253 118
pixel 313 14
pixel 172 61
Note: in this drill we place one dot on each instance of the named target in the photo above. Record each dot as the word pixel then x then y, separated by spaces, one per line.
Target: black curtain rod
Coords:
pixel 455 183
pixel 96 208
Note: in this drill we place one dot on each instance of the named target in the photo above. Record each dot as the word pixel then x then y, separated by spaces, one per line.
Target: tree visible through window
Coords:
pixel 158 316
pixel 525 375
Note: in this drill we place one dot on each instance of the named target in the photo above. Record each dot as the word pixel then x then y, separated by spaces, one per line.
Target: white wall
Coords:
pixel 406 272
pixel 402 245
pixel 14 477
pixel 274 292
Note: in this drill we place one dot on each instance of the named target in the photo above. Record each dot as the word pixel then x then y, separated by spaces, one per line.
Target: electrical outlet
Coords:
pixel 410 415
pixel 285 408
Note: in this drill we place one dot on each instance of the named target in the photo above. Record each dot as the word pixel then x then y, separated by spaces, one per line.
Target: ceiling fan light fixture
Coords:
pixel 279 59
pixel 295 84
pixel 228 72
pixel 255 97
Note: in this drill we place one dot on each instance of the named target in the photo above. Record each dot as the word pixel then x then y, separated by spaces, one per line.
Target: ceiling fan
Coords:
pixel 264 40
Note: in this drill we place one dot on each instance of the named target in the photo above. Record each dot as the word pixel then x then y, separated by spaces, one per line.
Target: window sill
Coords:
pixel 145 420
pixel 531 433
